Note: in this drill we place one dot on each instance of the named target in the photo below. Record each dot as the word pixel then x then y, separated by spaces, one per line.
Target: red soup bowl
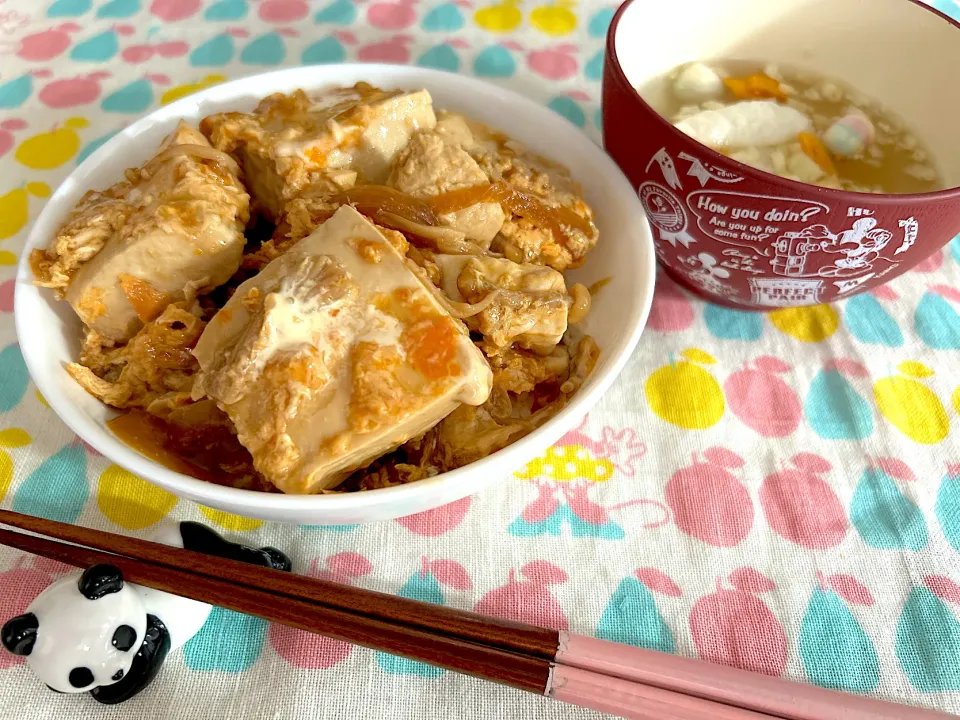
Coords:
pixel 748 239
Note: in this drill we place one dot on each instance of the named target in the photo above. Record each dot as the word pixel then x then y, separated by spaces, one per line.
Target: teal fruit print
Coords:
pixel 330 528
pixel 729 324
pixel 443 18
pixel 228 641
pixel 835 410
pixel 57 490
pixel 597 27
pixel 119 9
pixel 928 636
pixel 15 377
pixel 69 8
pixel 885 517
pixel 328 50
pixel 569 108
pixel 593 70
pixel 265 50
pixel 494 61
pixel 598 118
pixel 99 48
pixel 869 323
pixel 226 10
pixel 421 586
pixel 215 52
pixel 341 12
pixel 947 508
pixel 955 248
pixel 937 323
pixel 440 57
pixel 93 146
pixel 632 618
pixel 835 651
pixel 14 93
pixel 132 98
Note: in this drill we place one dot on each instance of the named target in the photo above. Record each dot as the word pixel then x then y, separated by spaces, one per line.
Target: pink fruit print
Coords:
pixel 763 401
pixel 671 310
pixel 143 53
pixel 708 501
pixel 71 92
pixel 48 44
pixel 393 50
pixel 436 522
pixel 282 11
pixel 307 650
pixel 658 581
pixel 556 63
pixel 7 128
pixel 528 600
pixel 943 587
pixel 174 10
pixel 18 588
pixel 6 296
pixel 395 15
pixel 735 627
pixel 885 292
pixel 801 506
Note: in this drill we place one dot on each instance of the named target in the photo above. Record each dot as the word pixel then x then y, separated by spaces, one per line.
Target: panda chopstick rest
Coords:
pixel 93 632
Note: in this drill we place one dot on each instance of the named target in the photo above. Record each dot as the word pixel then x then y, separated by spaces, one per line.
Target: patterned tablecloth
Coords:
pixel 779 492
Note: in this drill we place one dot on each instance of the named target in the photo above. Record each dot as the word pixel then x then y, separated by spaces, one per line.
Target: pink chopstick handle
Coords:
pixel 761 693
pixel 632 700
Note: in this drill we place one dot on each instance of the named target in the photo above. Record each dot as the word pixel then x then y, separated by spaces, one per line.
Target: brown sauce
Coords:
pixel 207 452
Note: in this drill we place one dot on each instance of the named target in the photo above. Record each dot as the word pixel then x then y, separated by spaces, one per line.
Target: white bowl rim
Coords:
pixel 271 505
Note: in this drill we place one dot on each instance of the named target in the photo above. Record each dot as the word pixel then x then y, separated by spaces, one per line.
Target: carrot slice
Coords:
pixel 814 148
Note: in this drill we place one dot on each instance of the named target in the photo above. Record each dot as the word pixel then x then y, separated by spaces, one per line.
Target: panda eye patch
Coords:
pixel 124 637
pixel 118 675
pixel 80 677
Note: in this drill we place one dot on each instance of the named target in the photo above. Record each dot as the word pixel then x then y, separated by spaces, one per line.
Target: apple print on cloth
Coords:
pixel 775 490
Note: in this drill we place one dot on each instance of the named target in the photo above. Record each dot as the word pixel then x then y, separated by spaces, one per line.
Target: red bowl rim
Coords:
pixel 756 174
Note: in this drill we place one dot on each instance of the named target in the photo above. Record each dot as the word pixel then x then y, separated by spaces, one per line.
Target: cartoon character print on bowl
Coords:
pixel 564 476
pixel 765 251
pixel 308 650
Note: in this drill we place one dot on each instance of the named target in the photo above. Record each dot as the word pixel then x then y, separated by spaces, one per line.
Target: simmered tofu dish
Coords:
pixel 340 291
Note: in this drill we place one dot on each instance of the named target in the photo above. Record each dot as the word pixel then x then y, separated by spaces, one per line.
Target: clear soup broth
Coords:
pixel 795 124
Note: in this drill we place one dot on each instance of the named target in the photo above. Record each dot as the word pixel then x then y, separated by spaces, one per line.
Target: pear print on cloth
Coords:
pixel 870 323
pixel 928 635
pixel 15 377
pixel 425 585
pixel 730 324
pixel 936 321
pixel 833 407
pixel 883 515
pixel 228 642
pixel 835 650
pixel 57 489
pixel 947 508
pixel 631 617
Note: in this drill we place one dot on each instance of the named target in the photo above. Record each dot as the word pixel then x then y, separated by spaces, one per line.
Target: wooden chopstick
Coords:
pixel 512 636
pixel 607 676
pixel 632 700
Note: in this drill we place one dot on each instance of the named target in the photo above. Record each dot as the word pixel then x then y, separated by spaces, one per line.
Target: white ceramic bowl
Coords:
pixel 50 333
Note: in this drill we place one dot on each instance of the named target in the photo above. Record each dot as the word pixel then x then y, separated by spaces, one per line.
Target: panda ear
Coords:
pixel 20 633
pixel 100 580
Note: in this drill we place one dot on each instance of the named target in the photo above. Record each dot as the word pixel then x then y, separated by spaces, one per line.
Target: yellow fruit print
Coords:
pixel 556 19
pixel 51 149
pixel 15 210
pixel 503 18
pixel 230 521
pixel 686 395
pixel 7 258
pixel 567 463
pixel 956 400
pixel 10 438
pixel 130 501
pixel 910 406
pixel 807 324
pixel 181 91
